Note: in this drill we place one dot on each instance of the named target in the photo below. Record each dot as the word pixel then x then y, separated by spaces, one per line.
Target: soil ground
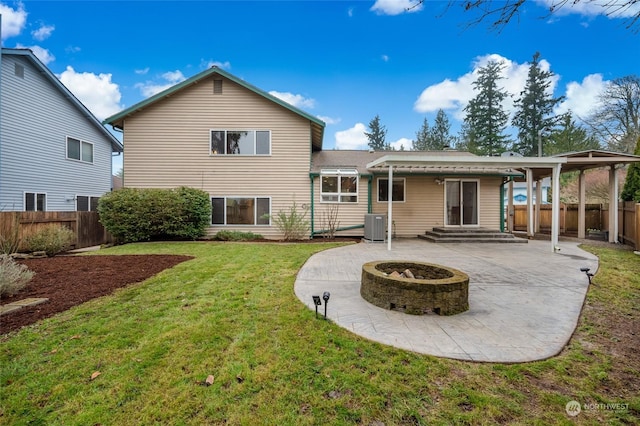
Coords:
pixel 71 280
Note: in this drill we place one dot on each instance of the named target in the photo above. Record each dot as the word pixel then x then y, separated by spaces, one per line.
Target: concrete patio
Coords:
pixel 524 300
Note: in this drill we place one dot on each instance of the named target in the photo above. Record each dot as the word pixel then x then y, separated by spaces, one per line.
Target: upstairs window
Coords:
pixel 397 192
pixel 35 201
pixel 339 186
pixel 19 70
pixel 79 150
pixel 240 142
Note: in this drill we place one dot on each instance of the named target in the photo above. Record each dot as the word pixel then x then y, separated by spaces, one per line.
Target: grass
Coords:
pixel 231 313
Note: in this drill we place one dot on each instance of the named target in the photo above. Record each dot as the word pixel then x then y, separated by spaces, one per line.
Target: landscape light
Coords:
pixel 325 297
pixel 589 274
pixel 317 302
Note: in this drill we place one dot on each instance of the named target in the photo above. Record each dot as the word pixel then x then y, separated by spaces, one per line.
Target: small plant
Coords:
pixel 10 240
pixel 292 224
pixel 329 221
pixel 52 240
pixel 13 276
pixel 236 236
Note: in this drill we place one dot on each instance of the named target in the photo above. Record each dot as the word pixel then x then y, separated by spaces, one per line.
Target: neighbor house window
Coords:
pixel 339 186
pixel 35 201
pixel 397 192
pixel 240 210
pixel 19 70
pixel 86 204
pixel 79 150
pixel 240 142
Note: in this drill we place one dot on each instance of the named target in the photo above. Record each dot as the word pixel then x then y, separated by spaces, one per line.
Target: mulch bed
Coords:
pixel 68 281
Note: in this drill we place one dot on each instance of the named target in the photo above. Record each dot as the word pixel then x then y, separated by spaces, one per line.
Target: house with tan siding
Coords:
pixel 256 155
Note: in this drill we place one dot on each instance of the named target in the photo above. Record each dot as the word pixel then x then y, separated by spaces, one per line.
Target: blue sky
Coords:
pixel 343 61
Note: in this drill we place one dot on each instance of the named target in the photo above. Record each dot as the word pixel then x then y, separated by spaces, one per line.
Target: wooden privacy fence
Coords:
pixel 596 218
pixel 86 225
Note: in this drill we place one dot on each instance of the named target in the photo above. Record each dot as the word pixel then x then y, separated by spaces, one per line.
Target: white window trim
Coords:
pixel 404 190
pixel 255 210
pixel 93 151
pixel 212 154
pixel 24 200
pixel 347 172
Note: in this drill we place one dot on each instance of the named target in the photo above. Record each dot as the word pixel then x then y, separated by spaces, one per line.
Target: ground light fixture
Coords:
pixel 589 274
pixel 325 296
pixel 317 302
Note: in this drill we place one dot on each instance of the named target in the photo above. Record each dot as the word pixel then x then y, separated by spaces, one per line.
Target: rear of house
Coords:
pixel 54 154
pixel 249 150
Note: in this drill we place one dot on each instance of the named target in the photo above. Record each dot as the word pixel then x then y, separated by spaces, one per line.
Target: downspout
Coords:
pixel 369 201
pixel 312 205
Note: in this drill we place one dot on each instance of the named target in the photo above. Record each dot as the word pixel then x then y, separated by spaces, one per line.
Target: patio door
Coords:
pixel 461 203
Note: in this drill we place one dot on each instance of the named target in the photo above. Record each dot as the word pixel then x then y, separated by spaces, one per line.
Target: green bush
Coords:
pixel 236 236
pixel 52 239
pixel 292 224
pixel 13 276
pixel 131 214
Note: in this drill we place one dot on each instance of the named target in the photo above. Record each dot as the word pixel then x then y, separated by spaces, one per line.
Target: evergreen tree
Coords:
pixel 631 190
pixel 421 142
pixel 569 138
pixel 440 136
pixel 534 108
pixel 377 135
pixel 486 119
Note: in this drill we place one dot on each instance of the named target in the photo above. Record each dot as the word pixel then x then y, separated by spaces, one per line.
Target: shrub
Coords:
pixel 236 236
pixel 131 214
pixel 52 239
pixel 292 224
pixel 13 276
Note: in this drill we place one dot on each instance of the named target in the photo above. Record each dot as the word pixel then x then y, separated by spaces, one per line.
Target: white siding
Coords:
pixel 36 119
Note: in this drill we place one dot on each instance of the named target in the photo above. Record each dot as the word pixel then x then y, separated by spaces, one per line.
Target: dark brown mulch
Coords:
pixel 68 281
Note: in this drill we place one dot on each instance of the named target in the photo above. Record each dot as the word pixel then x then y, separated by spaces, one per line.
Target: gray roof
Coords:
pixel 359 159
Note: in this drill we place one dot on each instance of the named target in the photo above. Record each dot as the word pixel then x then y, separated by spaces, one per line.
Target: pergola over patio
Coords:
pixel 532 168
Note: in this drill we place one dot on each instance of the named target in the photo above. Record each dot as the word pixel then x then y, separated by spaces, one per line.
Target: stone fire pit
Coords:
pixel 433 288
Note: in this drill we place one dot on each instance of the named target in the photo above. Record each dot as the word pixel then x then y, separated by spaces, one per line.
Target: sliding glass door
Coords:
pixel 461 203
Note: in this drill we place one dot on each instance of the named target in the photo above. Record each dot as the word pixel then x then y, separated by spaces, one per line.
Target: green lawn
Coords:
pixel 231 313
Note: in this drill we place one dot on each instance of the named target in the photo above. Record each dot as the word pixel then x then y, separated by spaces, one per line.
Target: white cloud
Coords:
pixel 581 97
pixel 143 71
pixel 611 9
pixel 350 12
pixel 13 20
pixel 43 33
pixel 329 120
pixel 96 91
pixel 402 143
pixel 295 100
pixel 150 88
pixel 353 138
pixel 395 7
pixel 385 58
pixel 72 49
pixel 41 53
pixel 454 95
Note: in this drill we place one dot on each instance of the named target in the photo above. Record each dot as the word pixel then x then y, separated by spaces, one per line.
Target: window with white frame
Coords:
pixel 240 142
pixel 240 210
pixel 35 201
pixel 339 186
pixel 397 191
pixel 86 203
pixel 79 150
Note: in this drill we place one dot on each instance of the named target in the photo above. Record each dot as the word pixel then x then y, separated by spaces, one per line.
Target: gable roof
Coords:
pixel 317 125
pixel 116 145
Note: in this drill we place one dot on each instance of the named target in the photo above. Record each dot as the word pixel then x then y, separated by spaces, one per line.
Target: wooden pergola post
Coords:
pixel 581 205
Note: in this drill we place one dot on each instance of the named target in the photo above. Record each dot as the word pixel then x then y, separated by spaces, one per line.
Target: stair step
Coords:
pixel 469 234
pixel 471 240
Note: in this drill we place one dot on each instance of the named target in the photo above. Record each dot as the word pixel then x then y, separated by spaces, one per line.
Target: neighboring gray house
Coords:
pixel 55 155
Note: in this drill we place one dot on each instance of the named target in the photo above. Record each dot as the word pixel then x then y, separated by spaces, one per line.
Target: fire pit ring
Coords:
pixel 434 288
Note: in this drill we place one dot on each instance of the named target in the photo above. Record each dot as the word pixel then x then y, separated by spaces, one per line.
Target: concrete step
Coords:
pixel 466 239
pixel 487 235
